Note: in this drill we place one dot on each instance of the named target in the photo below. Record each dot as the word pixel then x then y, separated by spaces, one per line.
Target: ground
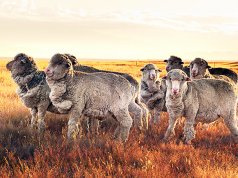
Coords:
pixel 22 154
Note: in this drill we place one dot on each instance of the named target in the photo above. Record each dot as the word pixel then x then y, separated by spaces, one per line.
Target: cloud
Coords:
pixel 182 20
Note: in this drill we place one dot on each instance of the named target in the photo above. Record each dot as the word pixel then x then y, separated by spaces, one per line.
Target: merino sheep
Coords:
pixel 94 95
pixel 133 82
pixel 175 62
pixel 203 100
pixel 33 90
pixel 199 69
pixel 152 91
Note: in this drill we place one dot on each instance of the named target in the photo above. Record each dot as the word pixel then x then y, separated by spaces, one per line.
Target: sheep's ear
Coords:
pixel 208 67
pixel 142 69
pixel 164 77
pixel 74 62
pixel 159 70
pixel 165 60
pixel 32 61
pixel 181 62
pixel 187 79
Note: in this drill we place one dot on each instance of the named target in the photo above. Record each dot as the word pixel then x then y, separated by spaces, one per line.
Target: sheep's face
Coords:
pixel 21 64
pixel 150 72
pixel 58 68
pixel 198 68
pixel 173 63
pixel 176 81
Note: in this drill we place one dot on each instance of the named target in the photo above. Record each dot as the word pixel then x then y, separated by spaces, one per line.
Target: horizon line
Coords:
pixel 128 59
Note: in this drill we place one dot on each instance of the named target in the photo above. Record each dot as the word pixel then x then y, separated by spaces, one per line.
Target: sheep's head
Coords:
pixel 73 59
pixel 60 65
pixel 173 62
pixel 150 72
pixel 198 68
pixel 176 80
pixel 21 64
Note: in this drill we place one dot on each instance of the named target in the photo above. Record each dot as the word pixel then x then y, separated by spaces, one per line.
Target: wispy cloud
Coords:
pixel 185 21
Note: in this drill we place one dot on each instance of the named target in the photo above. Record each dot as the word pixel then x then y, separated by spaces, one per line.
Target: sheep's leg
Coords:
pixel 136 110
pixel 93 126
pixel 117 133
pixel 74 124
pixel 231 123
pixel 189 132
pixel 33 117
pixel 145 115
pixel 170 129
pixel 85 124
pixel 125 123
pixel 41 116
pixel 155 116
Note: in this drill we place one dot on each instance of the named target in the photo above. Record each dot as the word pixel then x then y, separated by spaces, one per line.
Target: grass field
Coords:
pixel 212 153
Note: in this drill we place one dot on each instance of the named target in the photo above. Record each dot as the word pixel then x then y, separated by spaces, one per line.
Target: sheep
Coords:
pixel 199 69
pixel 133 82
pixel 175 62
pixel 152 91
pixel 32 88
pixel 94 95
pixel 203 100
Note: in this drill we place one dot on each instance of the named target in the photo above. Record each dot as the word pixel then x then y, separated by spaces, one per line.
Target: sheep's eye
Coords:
pixel 67 65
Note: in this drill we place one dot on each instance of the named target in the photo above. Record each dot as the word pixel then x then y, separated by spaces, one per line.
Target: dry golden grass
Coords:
pixel 213 154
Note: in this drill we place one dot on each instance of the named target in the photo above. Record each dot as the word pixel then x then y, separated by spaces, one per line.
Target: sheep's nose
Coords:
pixel 152 76
pixel 175 91
pixel 47 70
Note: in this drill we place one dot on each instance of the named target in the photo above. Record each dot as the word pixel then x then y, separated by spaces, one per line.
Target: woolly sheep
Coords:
pixel 32 88
pixel 94 95
pixel 199 69
pixel 202 100
pixel 152 91
pixel 133 82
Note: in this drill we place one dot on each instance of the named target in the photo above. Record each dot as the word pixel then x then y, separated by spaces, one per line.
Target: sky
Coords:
pixel 120 29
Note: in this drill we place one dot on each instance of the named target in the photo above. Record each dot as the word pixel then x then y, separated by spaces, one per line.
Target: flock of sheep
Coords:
pixel 197 92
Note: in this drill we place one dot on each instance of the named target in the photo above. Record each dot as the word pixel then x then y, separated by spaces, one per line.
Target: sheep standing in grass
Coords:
pixel 203 100
pixel 133 82
pixel 32 88
pixel 95 95
pixel 152 91
pixel 199 69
